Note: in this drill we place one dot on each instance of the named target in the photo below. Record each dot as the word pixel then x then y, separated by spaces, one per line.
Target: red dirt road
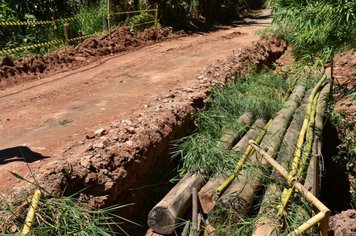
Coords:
pixel 49 115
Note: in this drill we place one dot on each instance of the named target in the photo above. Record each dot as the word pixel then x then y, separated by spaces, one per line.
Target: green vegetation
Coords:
pixel 316 29
pixel 86 17
pixel 63 215
pixel 260 93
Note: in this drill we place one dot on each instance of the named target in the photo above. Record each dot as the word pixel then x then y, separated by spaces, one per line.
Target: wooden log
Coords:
pixel 230 137
pixel 238 198
pixel 164 216
pixel 267 220
pixel 206 194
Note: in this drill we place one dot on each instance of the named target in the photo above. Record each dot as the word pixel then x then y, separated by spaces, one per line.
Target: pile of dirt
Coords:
pixel 113 159
pixel 72 57
pixel 343 224
pixel 345 81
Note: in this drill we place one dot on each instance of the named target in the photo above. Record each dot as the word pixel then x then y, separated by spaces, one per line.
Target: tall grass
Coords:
pixel 316 29
pixel 262 94
pixel 62 215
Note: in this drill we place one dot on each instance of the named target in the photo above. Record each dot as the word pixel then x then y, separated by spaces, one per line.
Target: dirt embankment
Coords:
pixel 72 57
pixel 115 158
pixel 344 223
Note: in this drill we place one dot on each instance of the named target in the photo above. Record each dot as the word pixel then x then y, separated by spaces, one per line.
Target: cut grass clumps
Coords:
pixel 65 215
pixel 259 93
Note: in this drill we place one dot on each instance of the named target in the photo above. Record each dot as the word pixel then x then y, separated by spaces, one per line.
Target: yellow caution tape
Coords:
pixel 32 46
pixel 80 17
pixel 32 23
pixel 132 12
pixel 53 22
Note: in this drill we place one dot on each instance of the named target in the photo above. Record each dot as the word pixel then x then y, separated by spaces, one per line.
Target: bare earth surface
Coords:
pixel 48 115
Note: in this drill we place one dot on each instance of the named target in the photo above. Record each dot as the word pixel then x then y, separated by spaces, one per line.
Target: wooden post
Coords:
pixel 164 216
pixel 105 24
pixel 194 212
pixel 67 32
pixel 108 15
pixel 156 16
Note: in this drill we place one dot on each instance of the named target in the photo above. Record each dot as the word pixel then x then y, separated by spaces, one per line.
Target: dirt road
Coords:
pixel 48 115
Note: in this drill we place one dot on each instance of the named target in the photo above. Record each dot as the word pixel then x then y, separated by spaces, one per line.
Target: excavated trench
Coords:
pixel 335 184
pixel 130 161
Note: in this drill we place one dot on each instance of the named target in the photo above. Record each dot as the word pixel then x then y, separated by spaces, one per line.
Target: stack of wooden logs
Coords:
pixel 279 141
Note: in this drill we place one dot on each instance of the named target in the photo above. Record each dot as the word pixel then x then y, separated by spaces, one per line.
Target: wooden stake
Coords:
pixel 194 212
pixel 67 32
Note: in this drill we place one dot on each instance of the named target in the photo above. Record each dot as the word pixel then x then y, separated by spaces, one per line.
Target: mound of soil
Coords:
pixel 71 57
pixel 343 224
pixel 113 159
pixel 345 79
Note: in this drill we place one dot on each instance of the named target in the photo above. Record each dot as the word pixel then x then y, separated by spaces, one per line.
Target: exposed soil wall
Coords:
pixel 71 57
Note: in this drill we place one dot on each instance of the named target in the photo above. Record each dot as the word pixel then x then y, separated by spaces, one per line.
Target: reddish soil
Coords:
pixel 71 57
pixel 149 93
pixel 345 78
pixel 343 224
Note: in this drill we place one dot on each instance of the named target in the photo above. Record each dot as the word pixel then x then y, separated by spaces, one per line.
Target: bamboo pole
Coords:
pixel 267 222
pixel 308 123
pixel 248 184
pixel 322 217
pixel 248 152
pixel 312 180
pixel 30 217
pixel 298 150
pixel 207 193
